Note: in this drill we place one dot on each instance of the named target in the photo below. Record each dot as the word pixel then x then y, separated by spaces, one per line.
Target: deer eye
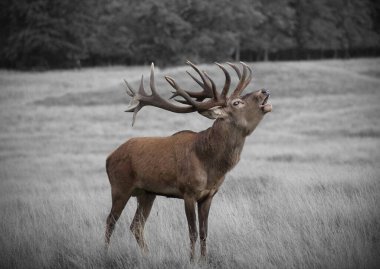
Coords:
pixel 236 103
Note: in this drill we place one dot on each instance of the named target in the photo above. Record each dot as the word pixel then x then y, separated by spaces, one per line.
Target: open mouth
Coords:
pixel 265 107
pixel 265 100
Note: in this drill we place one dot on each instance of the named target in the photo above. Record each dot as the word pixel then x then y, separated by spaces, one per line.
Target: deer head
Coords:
pixel 243 112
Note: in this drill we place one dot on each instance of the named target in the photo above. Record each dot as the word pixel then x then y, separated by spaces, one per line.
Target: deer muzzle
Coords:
pixel 265 106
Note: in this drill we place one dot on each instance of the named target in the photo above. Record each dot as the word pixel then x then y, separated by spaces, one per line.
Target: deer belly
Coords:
pixel 160 186
pixel 158 180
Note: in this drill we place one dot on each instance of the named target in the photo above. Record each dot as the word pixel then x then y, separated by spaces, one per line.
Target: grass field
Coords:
pixel 306 193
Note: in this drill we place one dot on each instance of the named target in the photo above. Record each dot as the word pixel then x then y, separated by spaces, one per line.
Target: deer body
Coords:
pixel 187 165
pixel 186 162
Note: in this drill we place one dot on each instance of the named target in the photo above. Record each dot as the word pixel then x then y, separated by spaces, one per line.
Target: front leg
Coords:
pixel 191 221
pixel 203 210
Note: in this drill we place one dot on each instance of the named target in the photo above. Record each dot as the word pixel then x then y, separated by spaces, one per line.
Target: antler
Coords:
pixel 243 79
pixel 209 91
pixel 141 98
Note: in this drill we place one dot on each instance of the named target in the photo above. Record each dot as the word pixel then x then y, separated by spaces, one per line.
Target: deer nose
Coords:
pixel 264 91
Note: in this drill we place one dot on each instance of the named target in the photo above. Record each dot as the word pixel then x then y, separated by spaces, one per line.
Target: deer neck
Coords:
pixel 220 146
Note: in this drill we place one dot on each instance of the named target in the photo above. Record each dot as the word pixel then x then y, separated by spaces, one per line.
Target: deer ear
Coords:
pixel 214 113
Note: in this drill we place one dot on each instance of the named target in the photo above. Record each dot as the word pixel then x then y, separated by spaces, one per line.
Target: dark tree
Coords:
pixel 159 31
pixel 50 34
pixel 44 33
pixel 276 28
pixel 111 36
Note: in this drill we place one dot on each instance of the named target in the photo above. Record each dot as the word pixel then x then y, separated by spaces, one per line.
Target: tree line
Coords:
pixel 65 33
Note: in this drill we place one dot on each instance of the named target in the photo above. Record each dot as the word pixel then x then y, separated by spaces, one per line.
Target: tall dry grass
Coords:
pixel 305 194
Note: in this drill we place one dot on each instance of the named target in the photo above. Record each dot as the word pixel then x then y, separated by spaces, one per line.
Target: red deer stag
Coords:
pixel 187 165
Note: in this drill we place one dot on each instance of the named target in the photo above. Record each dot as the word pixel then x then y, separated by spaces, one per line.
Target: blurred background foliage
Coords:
pixel 44 34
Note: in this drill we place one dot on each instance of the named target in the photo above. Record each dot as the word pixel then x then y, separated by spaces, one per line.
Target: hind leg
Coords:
pixel 144 205
pixel 119 200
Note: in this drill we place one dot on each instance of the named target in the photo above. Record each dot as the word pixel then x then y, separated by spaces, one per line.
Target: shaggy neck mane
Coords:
pixel 222 144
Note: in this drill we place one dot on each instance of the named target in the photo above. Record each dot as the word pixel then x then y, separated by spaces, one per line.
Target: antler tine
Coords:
pixel 198 71
pixel 207 90
pixel 141 99
pixel 205 93
pixel 206 85
pixel 235 68
pixel 135 101
pixel 243 82
pixel 196 80
pixel 199 96
pixel 213 87
pixel 249 79
pixel 180 91
pixel 129 89
pixel 152 82
pixel 198 106
pixel 135 105
pixel 227 83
